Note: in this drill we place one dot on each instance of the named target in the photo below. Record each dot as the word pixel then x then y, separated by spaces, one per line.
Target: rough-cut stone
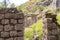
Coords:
pixel 48 20
pixel 8 28
pixel 1 27
pixel 19 27
pixel 20 20
pixel 4 34
pixel 9 39
pixel 52 38
pixel 13 21
pixel 1 38
pixel 9 15
pixel 13 33
pixel 18 38
pixel 19 16
pixel 1 16
pixel 54 32
pixel 5 21
pixel 51 26
pixel 20 33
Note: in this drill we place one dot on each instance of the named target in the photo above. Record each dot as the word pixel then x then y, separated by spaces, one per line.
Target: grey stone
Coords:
pixel 21 33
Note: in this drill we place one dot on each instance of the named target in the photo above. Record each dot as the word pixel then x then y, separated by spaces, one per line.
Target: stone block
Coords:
pixel 13 21
pixel 9 15
pixel 19 38
pixel 52 38
pixel 13 33
pixel 1 27
pixel 8 27
pixel 1 38
pixel 19 27
pixel 1 16
pixel 20 20
pixel 4 34
pixel 9 39
pixel 55 32
pixel 21 33
pixel 5 21
pixel 47 20
pixel 52 26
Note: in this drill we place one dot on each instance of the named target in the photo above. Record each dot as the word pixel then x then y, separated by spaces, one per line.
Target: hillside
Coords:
pixel 32 6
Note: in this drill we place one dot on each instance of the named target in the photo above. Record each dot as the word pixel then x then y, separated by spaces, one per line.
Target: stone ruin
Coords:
pixel 11 24
pixel 51 29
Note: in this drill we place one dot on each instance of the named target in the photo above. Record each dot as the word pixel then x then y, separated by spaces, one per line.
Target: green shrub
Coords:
pixel 58 18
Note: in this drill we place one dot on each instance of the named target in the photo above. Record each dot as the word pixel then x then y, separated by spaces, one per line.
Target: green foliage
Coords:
pixel 42 0
pixel 2 5
pixel 34 8
pixel 29 31
pixel 58 18
pixel 58 10
pixel 41 8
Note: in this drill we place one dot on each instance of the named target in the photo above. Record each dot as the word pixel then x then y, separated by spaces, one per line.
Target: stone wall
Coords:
pixel 11 24
pixel 51 29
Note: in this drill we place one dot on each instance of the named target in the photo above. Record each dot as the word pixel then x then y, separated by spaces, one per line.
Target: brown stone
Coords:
pixel 20 20
pixel 52 38
pixel 9 39
pixel 13 21
pixel 55 32
pixel 5 21
pixel 47 20
pixel 19 38
pixel 8 27
pixel 21 33
pixel 19 27
pixel 13 33
pixel 9 15
pixel 1 27
pixel 19 16
pixel 1 38
pixel 1 16
pixel 4 34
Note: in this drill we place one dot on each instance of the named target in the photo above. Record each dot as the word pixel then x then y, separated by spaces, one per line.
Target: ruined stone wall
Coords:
pixel 11 24
pixel 51 29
